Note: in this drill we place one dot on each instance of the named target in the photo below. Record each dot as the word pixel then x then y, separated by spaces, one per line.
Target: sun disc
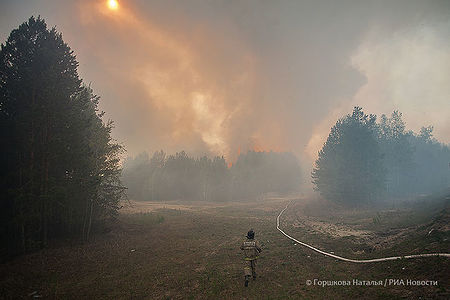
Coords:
pixel 113 4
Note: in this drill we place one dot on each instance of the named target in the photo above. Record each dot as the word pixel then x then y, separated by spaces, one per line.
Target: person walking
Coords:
pixel 251 250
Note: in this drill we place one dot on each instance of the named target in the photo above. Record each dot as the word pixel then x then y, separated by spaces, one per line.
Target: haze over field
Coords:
pixel 220 77
pixel 159 149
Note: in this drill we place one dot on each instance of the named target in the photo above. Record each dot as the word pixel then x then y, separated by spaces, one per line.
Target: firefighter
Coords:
pixel 251 251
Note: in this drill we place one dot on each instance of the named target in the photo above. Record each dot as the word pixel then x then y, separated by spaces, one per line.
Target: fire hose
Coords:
pixel 349 259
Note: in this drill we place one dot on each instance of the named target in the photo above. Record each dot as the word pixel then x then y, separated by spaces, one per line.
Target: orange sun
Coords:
pixel 113 4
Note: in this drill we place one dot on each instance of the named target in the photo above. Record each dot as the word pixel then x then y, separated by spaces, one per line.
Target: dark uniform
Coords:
pixel 251 252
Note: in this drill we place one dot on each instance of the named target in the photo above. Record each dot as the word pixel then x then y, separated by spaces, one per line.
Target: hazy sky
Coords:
pixel 220 77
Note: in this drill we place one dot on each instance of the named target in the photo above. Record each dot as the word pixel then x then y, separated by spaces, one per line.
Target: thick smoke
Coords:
pixel 219 77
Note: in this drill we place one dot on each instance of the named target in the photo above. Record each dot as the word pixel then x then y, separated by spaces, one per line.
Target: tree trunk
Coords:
pixel 31 163
pixel 46 187
pixel 19 205
pixel 84 233
pixel 22 235
pixel 90 220
pixel 46 196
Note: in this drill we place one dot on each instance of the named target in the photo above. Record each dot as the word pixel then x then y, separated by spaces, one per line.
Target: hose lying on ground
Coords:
pixel 354 260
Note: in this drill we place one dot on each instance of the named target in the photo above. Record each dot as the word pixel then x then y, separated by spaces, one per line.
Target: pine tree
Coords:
pixel 57 153
pixel 349 167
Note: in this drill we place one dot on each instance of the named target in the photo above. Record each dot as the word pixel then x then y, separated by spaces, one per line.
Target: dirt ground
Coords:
pixel 181 250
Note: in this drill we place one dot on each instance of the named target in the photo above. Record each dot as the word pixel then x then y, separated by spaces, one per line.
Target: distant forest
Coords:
pixel 179 176
pixel 367 162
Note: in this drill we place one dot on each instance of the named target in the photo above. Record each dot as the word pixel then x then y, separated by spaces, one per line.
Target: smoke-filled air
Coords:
pixel 225 149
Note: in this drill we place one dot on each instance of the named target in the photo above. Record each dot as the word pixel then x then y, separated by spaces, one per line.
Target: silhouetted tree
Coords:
pixel 349 169
pixel 397 154
pixel 431 159
pixel 59 165
pixel 360 156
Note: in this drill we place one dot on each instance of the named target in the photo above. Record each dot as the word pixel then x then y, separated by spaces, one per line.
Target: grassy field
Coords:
pixel 191 251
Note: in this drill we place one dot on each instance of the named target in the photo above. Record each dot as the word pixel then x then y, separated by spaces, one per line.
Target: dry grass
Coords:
pixel 191 251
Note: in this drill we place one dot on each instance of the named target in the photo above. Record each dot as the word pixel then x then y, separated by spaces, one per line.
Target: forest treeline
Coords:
pixel 60 171
pixel 365 161
pixel 182 177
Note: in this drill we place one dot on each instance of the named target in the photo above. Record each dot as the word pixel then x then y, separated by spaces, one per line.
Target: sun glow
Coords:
pixel 113 4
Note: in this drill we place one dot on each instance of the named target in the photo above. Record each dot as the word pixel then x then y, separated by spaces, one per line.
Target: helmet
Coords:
pixel 251 234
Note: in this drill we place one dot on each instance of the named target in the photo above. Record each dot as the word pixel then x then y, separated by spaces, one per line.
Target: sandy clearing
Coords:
pixel 143 207
pixel 268 204
pixel 331 229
